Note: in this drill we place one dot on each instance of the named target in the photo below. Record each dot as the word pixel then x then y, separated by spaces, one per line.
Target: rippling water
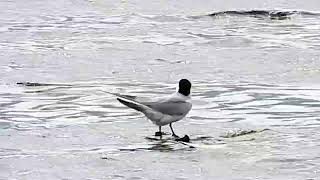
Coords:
pixel 254 68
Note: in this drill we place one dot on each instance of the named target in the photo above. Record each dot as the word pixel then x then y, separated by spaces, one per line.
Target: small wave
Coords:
pixel 273 14
pixel 242 133
pixel 39 84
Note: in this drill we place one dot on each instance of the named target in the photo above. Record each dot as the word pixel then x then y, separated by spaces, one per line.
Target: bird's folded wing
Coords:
pixel 173 108
pixel 169 106
pixel 152 114
pixel 131 102
pixel 134 105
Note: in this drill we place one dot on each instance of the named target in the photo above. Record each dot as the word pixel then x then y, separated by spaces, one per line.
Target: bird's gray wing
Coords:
pixel 132 104
pixel 168 107
pixel 172 108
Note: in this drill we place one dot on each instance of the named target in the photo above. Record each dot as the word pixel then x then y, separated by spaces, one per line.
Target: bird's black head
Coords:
pixel 184 87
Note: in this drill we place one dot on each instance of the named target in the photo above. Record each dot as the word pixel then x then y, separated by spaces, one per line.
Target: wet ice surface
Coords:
pixel 255 89
pixel 77 131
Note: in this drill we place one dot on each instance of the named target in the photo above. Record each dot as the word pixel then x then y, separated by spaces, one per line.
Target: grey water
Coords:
pixel 254 65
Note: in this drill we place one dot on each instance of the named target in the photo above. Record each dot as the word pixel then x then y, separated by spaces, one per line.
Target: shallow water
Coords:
pixel 255 75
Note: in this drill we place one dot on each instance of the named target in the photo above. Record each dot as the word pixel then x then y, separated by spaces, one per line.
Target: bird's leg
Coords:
pixel 159 133
pixel 173 134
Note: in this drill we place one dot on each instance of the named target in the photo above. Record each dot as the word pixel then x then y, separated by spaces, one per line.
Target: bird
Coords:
pixel 165 110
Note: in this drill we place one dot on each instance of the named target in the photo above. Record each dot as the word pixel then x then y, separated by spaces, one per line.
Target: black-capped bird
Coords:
pixel 165 110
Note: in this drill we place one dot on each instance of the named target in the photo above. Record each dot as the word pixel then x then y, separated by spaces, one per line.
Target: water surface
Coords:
pixel 254 68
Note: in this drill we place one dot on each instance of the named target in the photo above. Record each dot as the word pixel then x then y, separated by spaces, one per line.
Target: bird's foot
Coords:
pixel 185 138
pixel 159 133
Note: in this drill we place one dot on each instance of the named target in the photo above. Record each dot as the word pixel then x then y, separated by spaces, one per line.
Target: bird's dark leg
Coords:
pixel 173 134
pixel 159 133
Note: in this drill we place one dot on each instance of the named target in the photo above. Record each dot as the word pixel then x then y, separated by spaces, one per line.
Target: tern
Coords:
pixel 165 110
